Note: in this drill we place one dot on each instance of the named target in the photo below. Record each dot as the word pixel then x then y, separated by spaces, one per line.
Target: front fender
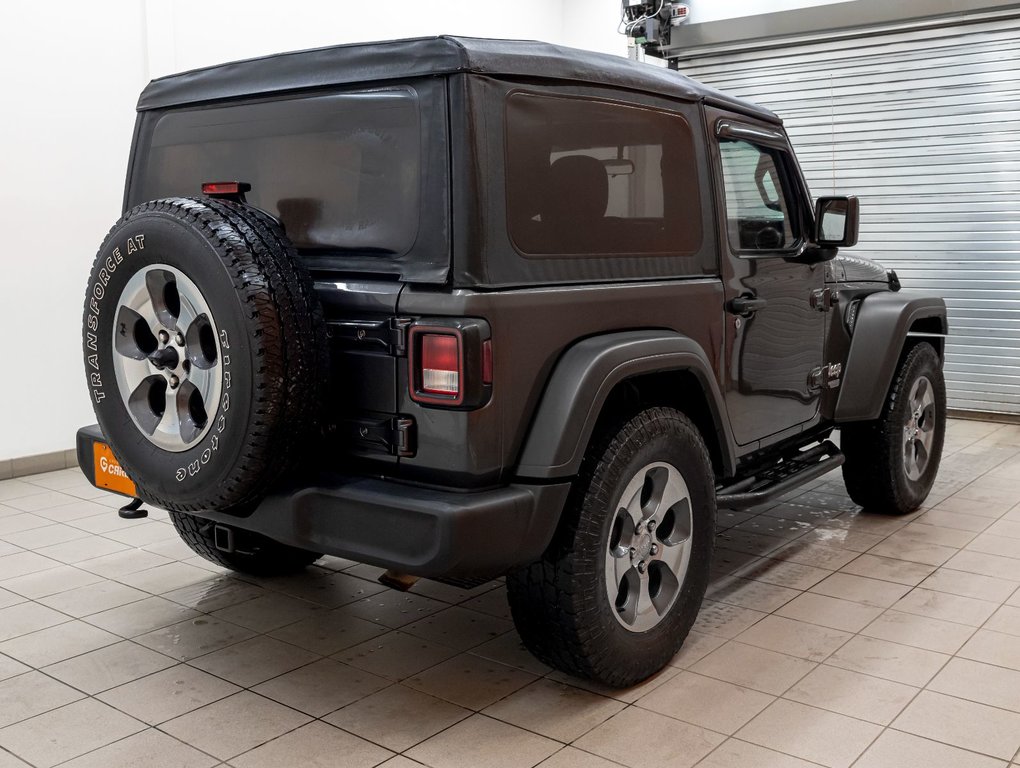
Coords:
pixel 582 380
pixel 883 321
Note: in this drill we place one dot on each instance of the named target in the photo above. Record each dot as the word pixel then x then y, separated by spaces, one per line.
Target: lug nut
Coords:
pixel 179 338
pixel 655 549
pixel 174 382
pixel 633 551
pixel 651 525
pixel 642 567
pixel 164 337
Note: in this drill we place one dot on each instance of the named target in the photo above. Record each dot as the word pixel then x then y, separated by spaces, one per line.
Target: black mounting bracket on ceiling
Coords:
pixel 651 26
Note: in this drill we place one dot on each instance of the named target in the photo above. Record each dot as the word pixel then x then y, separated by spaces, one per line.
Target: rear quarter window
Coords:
pixel 590 177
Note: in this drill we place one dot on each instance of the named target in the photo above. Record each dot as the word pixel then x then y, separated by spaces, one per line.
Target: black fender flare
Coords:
pixel 583 378
pixel 883 322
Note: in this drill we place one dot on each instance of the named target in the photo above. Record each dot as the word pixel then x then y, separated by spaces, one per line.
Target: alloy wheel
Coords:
pixel 167 357
pixel 919 431
pixel 649 547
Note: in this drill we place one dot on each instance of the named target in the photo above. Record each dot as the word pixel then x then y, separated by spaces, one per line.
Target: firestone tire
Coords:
pixel 646 491
pixel 892 462
pixel 204 352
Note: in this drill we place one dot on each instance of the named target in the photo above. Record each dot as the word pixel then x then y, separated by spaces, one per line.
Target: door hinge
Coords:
pixel 824 299
pixel 825 376
pixel 389 334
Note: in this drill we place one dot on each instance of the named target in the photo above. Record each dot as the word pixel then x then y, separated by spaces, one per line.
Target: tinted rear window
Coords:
pixel 587 177
pixel 343 171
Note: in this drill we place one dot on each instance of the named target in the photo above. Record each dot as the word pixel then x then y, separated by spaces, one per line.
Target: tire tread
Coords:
pixel 554 600
pixel 872 449
pixel 288 345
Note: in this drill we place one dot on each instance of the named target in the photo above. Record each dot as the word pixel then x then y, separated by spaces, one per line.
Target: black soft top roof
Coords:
pixel 401 59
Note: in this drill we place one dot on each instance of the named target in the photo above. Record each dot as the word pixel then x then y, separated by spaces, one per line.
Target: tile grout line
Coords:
pixel 802 537
pixel 179 662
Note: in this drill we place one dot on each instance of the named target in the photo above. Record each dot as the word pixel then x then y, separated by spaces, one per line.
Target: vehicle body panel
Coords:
pixel 884 322
pixel 531 331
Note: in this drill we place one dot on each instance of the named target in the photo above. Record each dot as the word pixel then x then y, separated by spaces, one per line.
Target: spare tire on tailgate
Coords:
pixel 204 351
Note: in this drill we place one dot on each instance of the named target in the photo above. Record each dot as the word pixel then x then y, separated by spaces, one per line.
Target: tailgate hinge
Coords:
pixel 394 436
pixel 390 334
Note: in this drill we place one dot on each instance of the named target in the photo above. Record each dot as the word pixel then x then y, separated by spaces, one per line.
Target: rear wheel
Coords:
pixel 891 463
pixel 619 588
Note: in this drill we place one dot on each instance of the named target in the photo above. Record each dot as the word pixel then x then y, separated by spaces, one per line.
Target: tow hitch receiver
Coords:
pixel 223 538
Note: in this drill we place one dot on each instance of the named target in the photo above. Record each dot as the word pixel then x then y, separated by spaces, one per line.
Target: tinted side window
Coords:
pixel 587 177
pixel 758 214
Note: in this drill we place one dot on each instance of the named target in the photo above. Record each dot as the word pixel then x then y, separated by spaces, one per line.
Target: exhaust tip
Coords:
pixel 397 580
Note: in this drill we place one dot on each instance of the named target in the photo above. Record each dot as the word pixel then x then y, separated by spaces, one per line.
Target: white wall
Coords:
pixel 185 34
pixel 592 24
pixel 72 74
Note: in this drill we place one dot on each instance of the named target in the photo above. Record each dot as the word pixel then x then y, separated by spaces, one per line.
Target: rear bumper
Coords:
pixel 411 529
pixel 422 531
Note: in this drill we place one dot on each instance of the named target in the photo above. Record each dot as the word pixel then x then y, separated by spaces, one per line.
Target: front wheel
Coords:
pixel 616 593
pixel 891 463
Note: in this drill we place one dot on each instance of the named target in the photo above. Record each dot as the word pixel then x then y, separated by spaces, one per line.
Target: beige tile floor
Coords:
pixel 829 637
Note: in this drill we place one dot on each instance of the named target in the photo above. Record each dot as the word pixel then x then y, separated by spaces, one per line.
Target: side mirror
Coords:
pixel 837 220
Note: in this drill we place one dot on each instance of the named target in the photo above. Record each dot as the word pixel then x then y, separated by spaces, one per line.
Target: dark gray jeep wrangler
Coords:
pixel 471 308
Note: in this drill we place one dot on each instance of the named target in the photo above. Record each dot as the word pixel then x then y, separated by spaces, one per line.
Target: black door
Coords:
pixel 774 335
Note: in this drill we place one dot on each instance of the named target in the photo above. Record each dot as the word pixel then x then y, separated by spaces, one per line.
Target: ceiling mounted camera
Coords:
pixel 651 24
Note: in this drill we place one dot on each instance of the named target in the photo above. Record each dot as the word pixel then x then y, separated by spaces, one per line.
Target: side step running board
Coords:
pixel 773 482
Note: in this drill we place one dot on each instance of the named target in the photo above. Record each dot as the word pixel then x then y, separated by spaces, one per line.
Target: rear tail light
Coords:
pixel 450 362
pixel 440 364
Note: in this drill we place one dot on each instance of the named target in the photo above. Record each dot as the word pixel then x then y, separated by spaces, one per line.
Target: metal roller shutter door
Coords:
pixel 924 125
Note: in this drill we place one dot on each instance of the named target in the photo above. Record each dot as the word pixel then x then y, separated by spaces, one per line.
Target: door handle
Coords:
pixel 746 305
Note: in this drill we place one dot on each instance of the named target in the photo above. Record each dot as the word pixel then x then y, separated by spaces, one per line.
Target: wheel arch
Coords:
pixel 890 323
pixel 931 329
pixel 604 378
